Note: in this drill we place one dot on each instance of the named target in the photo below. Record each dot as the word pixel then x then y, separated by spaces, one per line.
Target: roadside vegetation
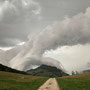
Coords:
pixel 75 82
pixel 12 81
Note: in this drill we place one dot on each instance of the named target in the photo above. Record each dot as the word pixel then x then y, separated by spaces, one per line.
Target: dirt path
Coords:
pixel 50 84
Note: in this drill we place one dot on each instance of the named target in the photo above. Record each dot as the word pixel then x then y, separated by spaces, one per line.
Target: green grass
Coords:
pixel 76 82
pixel 10 81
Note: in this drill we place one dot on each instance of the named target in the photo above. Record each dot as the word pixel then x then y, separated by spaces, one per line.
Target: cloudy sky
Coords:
pixel 19 19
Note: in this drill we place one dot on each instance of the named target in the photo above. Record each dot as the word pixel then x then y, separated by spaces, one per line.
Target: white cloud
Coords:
pixel 73 58
pixel 88 12
pixel 6 48
pixel 21 43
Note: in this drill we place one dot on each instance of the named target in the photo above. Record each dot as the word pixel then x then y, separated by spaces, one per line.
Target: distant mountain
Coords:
pixel 8 69
pixel 86 71
pixel 47 71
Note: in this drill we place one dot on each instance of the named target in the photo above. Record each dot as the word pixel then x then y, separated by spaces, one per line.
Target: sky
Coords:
pixel 22 20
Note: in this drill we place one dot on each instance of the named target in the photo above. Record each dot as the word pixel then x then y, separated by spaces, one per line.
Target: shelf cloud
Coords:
pixel 68 32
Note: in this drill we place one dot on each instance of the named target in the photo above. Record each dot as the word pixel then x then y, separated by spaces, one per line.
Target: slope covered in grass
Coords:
pixel 47 71
pixel 75 82
pixel 12 81
pixel 8 69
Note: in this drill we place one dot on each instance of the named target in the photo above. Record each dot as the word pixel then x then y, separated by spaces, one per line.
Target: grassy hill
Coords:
pixel 13 81
pixel 47 71
pixel 86 71
pixel 75 82
pixel 8 69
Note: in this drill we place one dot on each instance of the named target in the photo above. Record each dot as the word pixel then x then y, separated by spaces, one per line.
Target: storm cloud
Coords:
pixel 68 32
pixel 18 18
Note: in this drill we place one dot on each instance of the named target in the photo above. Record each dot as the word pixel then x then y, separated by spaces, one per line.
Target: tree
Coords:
pixel 73 73
pixel 77 73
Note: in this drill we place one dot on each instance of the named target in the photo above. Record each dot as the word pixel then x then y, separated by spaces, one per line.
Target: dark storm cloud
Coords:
pixel 68 32
pixel 54 10
pixel 18 18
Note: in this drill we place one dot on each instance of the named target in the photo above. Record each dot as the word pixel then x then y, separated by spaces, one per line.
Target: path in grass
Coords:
pixel 50 84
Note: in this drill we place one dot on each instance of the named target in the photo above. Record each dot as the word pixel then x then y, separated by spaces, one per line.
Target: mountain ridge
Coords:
pixel 8 69
pixel 47 71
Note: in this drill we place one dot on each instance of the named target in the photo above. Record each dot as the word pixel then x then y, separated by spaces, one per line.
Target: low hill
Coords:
pixel 86 71
pixel 8 69
pixel 47 71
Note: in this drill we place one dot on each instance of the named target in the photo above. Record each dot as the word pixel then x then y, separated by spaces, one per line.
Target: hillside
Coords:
pixel 75 82
pixel 86 71
pixel 47 71
pixel 8 69
pixel 14 81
